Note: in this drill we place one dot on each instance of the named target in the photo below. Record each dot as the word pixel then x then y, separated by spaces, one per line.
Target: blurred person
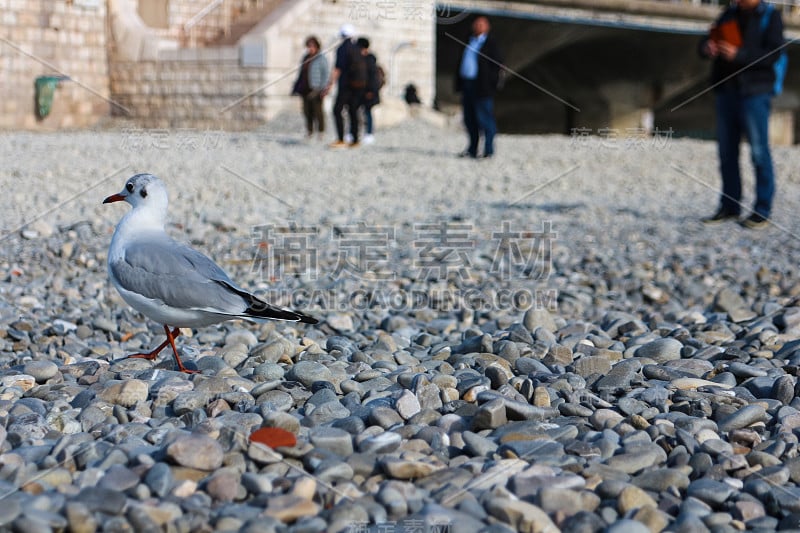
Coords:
pixel 310 85
pixel 412 99
pixel 743 44
pixel 410 95
pixel 479 76
pixel 375 80
pixel 349 76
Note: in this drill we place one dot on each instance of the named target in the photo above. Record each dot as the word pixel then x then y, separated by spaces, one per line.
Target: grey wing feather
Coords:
pixel 177 275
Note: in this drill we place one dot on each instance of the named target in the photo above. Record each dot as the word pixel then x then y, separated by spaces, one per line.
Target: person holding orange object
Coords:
pixel 744 43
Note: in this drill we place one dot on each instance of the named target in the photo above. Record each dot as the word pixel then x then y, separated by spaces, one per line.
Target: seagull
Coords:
pixel 170 282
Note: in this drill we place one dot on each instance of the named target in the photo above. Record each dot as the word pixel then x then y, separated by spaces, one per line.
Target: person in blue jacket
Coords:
pixel 744 44
pixel 478 78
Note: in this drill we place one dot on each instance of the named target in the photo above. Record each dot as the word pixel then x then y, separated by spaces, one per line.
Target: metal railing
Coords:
pixel 786 5
pixel 214 20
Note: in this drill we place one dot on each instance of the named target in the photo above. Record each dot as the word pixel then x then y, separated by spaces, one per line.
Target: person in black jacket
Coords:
pixel 372 91
pixel 477 80
pixel 744 44
pixel 349 90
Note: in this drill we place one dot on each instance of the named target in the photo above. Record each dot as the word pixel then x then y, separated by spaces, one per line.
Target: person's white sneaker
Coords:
pixel 348 138
pixel 368 139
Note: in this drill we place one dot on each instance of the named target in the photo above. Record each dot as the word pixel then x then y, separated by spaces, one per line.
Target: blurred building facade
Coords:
pixel 623 70
pixel 54 38
pixel 192 63
pixel 588 65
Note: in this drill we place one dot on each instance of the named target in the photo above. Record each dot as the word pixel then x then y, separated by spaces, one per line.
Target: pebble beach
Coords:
pixel 548 340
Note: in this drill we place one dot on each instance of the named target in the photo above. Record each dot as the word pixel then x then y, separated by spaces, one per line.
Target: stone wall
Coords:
pixel 197 88
pixel 388 25
pixel 192 87
pixel 53 37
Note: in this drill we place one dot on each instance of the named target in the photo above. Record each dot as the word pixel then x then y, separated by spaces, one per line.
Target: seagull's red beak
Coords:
pixel 114 198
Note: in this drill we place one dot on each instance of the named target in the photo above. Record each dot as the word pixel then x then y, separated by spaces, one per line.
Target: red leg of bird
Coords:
pixel 152 355
pixel 171 340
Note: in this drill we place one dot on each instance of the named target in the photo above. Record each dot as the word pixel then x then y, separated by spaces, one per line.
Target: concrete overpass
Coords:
pixel 648 15
pixel 603 64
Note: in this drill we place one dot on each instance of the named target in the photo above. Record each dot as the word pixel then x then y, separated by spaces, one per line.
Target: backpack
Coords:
pixel 380 76
pixel 781 65
pixel 357 72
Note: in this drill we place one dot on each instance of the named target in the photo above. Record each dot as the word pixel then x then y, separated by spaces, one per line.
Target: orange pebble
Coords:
pixel 274 437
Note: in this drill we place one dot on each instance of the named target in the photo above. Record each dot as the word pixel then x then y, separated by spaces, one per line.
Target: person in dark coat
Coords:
pixel 744 43
pixel 372 92
pixel 310 85
pixel 410 96
pixel 348 92
pixel 478 78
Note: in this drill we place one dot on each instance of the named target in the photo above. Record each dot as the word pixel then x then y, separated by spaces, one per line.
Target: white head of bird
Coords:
pixel 148 196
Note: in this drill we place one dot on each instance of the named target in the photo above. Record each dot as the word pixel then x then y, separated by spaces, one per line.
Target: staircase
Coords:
pixel 244 22
pixel 190 77
pixel 224 22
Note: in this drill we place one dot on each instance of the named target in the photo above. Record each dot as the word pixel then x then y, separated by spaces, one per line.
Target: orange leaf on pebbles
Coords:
pixel 274 437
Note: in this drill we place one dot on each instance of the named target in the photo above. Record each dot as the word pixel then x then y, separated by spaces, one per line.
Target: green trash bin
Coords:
pixel 45 91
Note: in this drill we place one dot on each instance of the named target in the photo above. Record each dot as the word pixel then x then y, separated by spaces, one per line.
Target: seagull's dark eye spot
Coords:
pixel 129 187
pixel 143 193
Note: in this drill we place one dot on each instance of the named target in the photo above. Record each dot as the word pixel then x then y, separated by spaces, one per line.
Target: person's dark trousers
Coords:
pixel 312 109
pixel 350 98
pixel 746 116
pixel 485 112
pixel 353 103
pixel 368 118
pixel 468 106
pixel 478 118
pixel 342 96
